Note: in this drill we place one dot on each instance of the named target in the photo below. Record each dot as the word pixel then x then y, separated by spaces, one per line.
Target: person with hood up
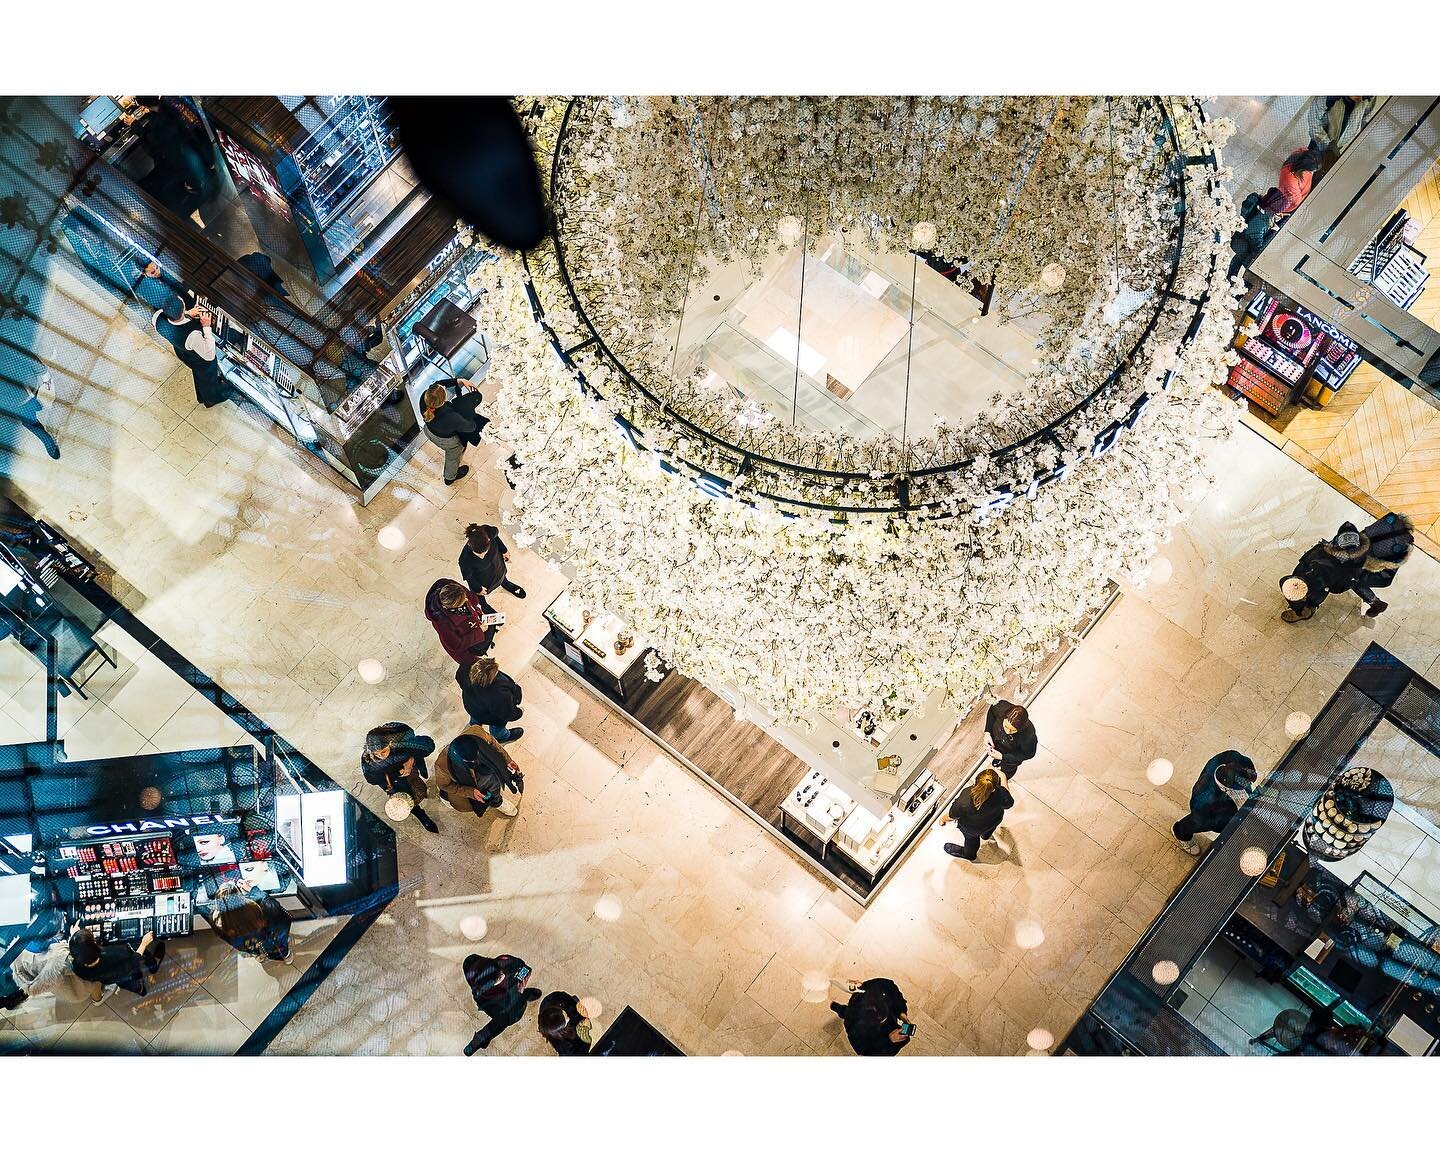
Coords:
pixel 1392 539
pixel 499 987
pixel 394 759
pixel 1330 566
pixel 456 614
pixel 491 698
pixel 1224 784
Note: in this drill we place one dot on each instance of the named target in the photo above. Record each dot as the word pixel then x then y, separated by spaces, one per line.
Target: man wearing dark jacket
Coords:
pixel 499 989
pixel 491 698
pixel 875 1018
pixel 1224 784
pixel 1331 566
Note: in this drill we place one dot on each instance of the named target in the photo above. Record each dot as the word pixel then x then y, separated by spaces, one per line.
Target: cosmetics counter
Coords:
pixel 597 646
pixel 1288 354
pixel 1391 263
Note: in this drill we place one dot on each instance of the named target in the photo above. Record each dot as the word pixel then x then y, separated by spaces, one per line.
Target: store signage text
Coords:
pixel 139 827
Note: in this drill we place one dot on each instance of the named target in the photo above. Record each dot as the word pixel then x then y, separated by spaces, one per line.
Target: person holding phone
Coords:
pixel 875 1018
pixel 1010 736
pixel 501 990
pixel 476 773
pixel 459 618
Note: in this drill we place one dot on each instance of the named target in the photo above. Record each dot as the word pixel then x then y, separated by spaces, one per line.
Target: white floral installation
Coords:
pixel 804 611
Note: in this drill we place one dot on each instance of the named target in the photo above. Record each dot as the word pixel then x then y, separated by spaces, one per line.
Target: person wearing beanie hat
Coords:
pixel 500 989
pixel 394 759
pixel 1224 784
pixel 1330 566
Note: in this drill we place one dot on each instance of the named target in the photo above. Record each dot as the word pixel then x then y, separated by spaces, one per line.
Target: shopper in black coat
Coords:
pixel 564 1024
pixel 394 759
pixel 1392 540
pixel 121 963
pixel 1224 784
pixel 491 698
pixel 875 1018
pixel 1330 566
pixel 1009 736
pixel 499 989
pixel 977 812
pixel 483 562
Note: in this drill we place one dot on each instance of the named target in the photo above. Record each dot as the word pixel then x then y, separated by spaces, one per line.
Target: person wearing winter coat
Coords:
pixel 977 812
pixel 500 988
pixel 1392 539
pixel 44 965
pixel 1224 784
pixel 564 1024
pixel 448 409
pixel 1335 121
pixel 250 921
pixel 394 759
pixel 476 774
pixel 1330 566
pixel 483 562
pixel 455 613
pixel 1297 176
pixel 1250 241
pixel 491 698
pixel 875 1018
pixel 1010 737
pixel 193 341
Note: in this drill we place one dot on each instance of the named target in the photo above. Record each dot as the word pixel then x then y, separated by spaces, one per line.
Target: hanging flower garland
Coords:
pixel 802 611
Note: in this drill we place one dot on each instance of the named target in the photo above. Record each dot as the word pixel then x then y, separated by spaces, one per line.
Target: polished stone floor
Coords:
pixel 627 879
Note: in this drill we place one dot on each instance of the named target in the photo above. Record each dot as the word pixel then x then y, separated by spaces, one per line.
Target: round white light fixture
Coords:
pixel 399 806
pixel 1254 861
pixel 1029 934
pixel 591 1007
pixel 732 1052
pixel 608 908
pixel 371 670
pixel 1040 1039
pixel 1159 771
pixel 473 927
pixel 1160 571
pixel 815 986
pixel 1297 725
pixel 1165 972
pixel 1053 277
pixel 391 537
pixel 790 229
pixel 1294 588
pixel 924 236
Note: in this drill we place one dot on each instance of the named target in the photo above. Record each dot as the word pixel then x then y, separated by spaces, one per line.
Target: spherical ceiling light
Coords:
pixel 1029 935
pixel 1160 571
pixel 1159 771
pixel 1040 1039
pixel 592 1007
pixel 391 537
pixel 815 986
pixel 732 1052
pixel 371 671
pixel 1052 276
pixel 1297 725
pixel 790 230
pixel 1165 973
pixel 150 798
pixel 473 927
pixel 1254 861
pixel 924 236
pixel 1294 588
pixel 607 908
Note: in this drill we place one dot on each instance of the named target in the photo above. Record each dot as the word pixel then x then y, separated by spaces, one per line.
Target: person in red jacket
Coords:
pixel 1297 175
pixel 456 613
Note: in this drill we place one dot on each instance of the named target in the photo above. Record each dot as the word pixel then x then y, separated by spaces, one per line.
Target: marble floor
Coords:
pixel 627 879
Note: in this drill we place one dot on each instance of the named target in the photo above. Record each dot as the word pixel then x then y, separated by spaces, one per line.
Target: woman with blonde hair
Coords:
pixel 977 812
pixel 451 422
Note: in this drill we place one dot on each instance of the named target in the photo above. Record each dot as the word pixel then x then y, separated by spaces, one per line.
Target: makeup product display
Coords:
pixel 126 888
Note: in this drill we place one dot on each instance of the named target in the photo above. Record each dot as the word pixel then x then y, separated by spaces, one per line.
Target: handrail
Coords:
pixel 1163 298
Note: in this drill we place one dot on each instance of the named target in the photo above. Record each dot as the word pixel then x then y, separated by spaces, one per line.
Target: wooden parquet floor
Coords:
pixel 1377 441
